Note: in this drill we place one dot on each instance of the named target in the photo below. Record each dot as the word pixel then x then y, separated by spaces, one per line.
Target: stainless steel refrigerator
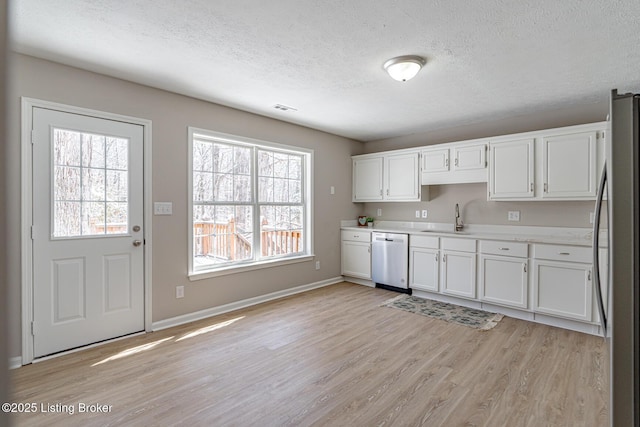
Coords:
pixel 620 312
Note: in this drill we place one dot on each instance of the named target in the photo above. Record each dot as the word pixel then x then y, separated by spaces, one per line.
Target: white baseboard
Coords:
pixel 358 281
pixel 214 311
pixel 15 362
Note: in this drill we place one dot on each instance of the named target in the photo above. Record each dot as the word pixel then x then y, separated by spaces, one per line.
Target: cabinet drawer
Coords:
pixel 563 253
pixel 516 249
pixel 356 236
pixel 460 245
pixel 424 242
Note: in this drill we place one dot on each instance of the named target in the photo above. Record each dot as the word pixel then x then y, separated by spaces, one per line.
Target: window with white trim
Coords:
pixel 250 201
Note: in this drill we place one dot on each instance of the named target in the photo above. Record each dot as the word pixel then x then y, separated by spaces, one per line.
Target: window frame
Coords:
pixel 256 261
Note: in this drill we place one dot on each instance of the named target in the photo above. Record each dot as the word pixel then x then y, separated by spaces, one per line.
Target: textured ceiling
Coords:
pixel 487 60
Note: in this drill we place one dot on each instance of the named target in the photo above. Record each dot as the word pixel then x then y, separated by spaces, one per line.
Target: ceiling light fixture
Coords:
pixel 403 68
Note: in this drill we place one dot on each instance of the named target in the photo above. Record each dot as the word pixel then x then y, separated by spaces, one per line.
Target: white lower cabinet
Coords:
pixel 504 278
pixel 356 254
pixel 554 281
pixel 424 262
pixel 562 288
pixel 458 267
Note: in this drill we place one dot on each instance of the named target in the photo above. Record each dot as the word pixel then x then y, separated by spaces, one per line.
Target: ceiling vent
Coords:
pixel 283 107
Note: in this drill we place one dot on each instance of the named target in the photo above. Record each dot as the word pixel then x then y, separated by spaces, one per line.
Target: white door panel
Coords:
pixel 88 277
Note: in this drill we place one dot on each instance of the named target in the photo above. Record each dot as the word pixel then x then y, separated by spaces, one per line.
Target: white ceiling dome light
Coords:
pixel 403 68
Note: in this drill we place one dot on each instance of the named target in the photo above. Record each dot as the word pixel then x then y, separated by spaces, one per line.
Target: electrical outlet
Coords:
pixel 332 190
pixel 179 291
pixel 417 214
pixel 424 213
pixel 317 265
pixel 379 212
pixel 513 216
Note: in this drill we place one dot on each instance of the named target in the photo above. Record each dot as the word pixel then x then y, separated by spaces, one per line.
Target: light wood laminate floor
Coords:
pixel 328 357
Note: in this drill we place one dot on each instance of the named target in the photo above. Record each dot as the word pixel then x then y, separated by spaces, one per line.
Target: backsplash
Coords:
pixel 475 209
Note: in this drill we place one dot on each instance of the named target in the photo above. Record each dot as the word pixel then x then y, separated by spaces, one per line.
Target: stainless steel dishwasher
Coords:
pixel 390 261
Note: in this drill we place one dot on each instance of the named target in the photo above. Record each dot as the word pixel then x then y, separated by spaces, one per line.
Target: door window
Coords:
pixel 90 188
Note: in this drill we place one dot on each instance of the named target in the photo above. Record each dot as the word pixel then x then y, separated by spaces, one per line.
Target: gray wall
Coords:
pixel 473 197
pixel 475 209
pixel 171 114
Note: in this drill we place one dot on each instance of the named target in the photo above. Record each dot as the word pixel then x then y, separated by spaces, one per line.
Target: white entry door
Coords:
pixel 88 236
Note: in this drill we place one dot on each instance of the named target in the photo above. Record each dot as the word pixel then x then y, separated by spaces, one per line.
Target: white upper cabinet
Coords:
pixel 402 177
pixel 393 177
pixel 454 163
pixel 552 164
pixel 569 165
pixel 470 157
pixel 434 161
pixel 511 169
pixel 367 179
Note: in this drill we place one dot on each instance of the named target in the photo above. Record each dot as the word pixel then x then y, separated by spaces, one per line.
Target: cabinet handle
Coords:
pixel 564 253
pixel 504 249
pixel 531 186
pixel 369 249
pixel 381 191
pixel 436 257
pixel 525 267
pixel 387 191
pixel 444 258
pixel 446 162
pixel 456 161
pixel 546 187
pixel 589 276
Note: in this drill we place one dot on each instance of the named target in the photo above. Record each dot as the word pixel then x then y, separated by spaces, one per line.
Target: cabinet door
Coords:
pixel 511 169
pixel 459 274
pixel 423 269
pixel 562 289
pixel 569 166
pixel 503 280
pixel 402 177
pixel 367 179
pixel 435 160
pixel 356 259
pixel 471 157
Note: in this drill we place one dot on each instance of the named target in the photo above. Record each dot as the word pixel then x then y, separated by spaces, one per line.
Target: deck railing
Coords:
pixel 224 241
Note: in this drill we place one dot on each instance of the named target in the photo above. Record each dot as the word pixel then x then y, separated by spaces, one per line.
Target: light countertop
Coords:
pixel 525 234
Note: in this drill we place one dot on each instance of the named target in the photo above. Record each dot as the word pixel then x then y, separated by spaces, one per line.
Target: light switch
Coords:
pixel 332 190
pixel 513 216
pixel 163 208
pixel 379 212
pixel 417 214
pixel 424 213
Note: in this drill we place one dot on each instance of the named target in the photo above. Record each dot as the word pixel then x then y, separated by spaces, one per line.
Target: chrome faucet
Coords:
pixel 458 222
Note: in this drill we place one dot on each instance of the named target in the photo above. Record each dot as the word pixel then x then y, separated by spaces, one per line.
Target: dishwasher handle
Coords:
pixel 384 239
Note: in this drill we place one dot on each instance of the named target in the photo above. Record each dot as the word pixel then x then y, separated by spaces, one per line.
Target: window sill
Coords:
pixel 207 274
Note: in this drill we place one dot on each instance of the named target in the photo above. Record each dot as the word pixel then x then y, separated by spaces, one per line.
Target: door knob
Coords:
pixel 136 228
pixel 137 243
